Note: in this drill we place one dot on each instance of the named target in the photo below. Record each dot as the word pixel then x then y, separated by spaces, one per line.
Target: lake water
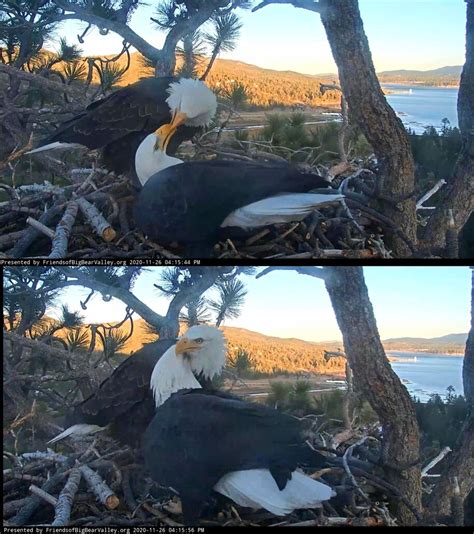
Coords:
pixel 430 373
pixel 420 105
pixel 417 106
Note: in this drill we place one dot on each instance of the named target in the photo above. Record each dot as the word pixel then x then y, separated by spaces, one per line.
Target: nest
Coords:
pixel 96 482
pixel 92 218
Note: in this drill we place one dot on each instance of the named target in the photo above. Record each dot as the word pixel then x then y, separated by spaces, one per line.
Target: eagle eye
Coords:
pixel 199 340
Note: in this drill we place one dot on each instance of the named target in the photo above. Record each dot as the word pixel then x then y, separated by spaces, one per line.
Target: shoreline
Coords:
pixel 423 84
pixel 422 351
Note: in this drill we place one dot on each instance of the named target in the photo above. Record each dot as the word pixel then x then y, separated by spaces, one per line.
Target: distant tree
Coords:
pixel 287 130
pixel 279 395
pixel 300 399
pixel 235 95
pixel 113 341
pixel 77 340
pixel 226 31
pixel 435 154
pixel 68 319
pixel 241 363
pixel 441 420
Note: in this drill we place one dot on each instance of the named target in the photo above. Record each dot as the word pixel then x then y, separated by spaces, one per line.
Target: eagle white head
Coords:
pixel 193 101
pixel 201 350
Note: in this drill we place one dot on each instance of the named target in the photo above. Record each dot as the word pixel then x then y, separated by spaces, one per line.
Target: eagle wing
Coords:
pixel 127 387
pixel 206 435
pixel 140 107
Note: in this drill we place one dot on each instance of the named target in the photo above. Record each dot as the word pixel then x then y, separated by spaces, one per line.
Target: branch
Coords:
pixel 441 455
pixel 430 193
pixel 63 231
pixel 43 83
pixel 98 222
pixel 99 487
pixel 80 279
pixel 38 346
pixel 309 5
pixel 316 272
pixel 189 294
pixel 62 512
pixel 181 29
pixel 119 28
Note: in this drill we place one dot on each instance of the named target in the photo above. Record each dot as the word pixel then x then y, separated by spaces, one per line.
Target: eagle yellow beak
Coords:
pixel 166 132
pixel 185 345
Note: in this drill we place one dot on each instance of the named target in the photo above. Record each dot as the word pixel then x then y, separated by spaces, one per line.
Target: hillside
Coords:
pixel 268 88
pixel 274 354
pixel 448 344
pixel 265 87
pixel 269 354
pixel 444 76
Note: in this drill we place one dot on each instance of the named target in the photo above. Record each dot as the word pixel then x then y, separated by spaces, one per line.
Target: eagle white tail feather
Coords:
pixel 52 146
pixel 283 208
pixel 256 488
pixel 77 430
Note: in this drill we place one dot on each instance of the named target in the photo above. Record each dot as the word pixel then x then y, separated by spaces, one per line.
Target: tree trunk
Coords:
pixel 458 195
pixel 374 116
pixel 461 463
pixel 211 62
pixel 468 363
pixel 167 59
pixel 203 279
pixel 378 383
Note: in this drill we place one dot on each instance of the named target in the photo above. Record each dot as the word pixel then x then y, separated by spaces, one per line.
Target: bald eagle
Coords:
pixel 204 440
pixel 124 400
pixel 194 202
pixel 120 122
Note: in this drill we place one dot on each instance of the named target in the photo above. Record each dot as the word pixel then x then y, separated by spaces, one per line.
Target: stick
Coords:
pixel 96 220
pixel 429 194
pixel 8 240
pixel 457 505
pixel 31 234
pixel 434 461
pixel 63 231
pixel 163 517
pixel 349 472
pixel 10 507
pixel 104 494
pixel 41 455
pixel 43 495
pixel 40 227
pixel 62 511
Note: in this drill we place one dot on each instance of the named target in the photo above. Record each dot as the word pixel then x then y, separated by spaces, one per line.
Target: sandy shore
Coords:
pixel 258 118
pixel 260 387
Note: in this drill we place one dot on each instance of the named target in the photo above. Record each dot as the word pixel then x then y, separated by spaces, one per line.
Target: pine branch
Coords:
pixel 309 5
pixel 118 27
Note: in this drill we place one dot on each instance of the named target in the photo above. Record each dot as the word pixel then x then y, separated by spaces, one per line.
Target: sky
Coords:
pixel 408 301
pixel 409 34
